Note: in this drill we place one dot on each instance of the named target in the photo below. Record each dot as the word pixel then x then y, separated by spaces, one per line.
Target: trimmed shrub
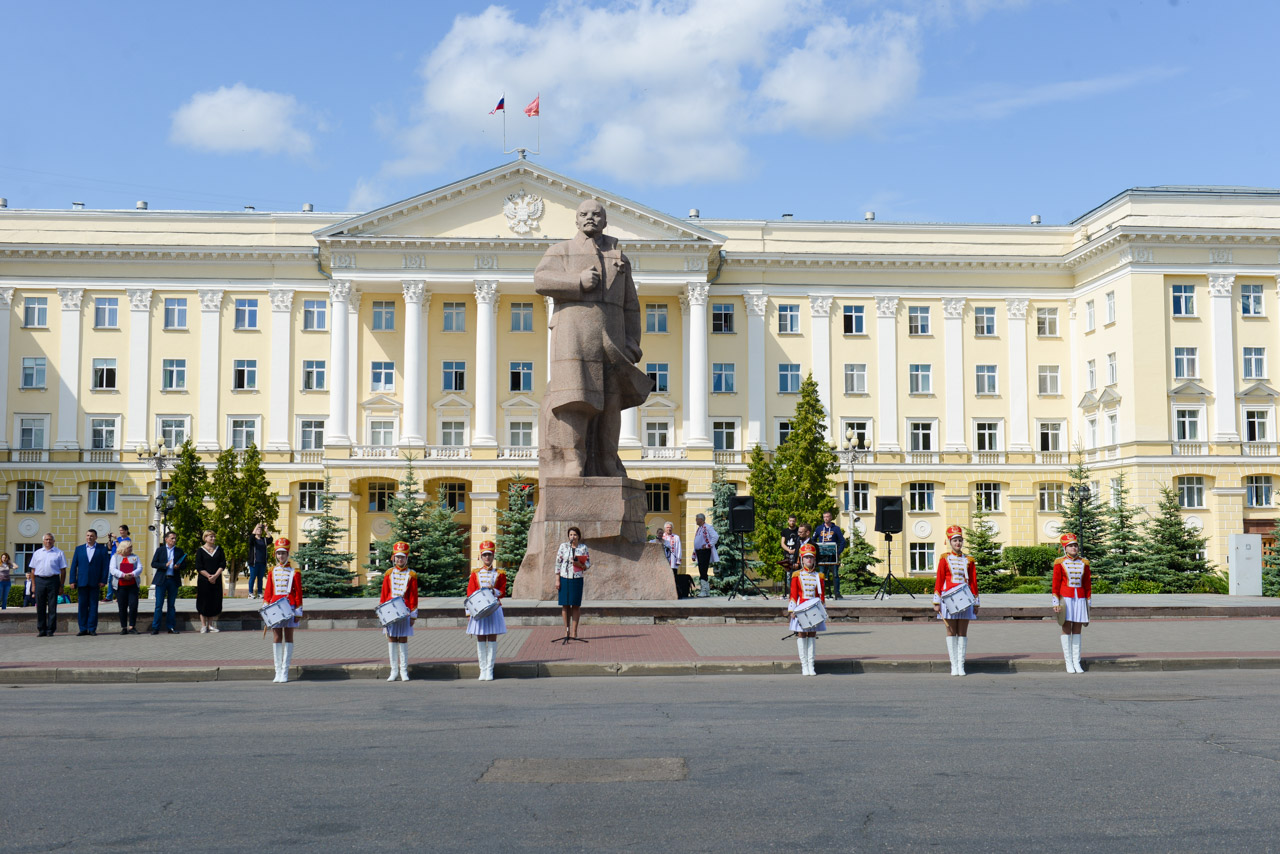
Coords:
pixel 1030 560
pixel 1210 582
pixel 1137 585
pixel 185 592
pixel 1030 587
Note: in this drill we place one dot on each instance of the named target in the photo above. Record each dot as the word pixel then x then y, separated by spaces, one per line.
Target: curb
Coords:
pixel 437 671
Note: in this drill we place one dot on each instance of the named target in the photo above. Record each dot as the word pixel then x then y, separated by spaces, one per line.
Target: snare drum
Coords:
pixel 482 603
pixel 809 614
pixel 391 610
pixel 277 613
pixel 957 600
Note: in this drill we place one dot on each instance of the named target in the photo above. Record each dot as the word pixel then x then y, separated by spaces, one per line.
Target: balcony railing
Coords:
pixel 100 456
pixel 1052 458
pixel 374 452
pixel 309 458
pixel 29 455
pixel 922 458
pixel 1259 449
pixel 1190 449
pixel 522 452
pixel 663 454
pixel 448 452
pixel 987 458
pixel 727 458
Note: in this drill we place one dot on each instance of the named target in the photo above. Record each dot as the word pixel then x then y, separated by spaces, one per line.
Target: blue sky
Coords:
pixel 951 110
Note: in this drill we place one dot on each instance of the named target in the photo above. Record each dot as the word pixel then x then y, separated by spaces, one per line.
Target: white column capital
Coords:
pixel 281 299
pixel 820 306
pixel 6 299
pixel 415 291
pixel 757 304
pixel 139 298
pixel 210 298
pixel 486 291
pixel 886 306
pixel 697 292
pixel 353 302
pixel 1221 284
pixel 71 298
pixel 1017 308
pixel 953 308
pixel 340 290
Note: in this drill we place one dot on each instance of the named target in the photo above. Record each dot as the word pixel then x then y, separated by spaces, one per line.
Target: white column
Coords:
pixel 1075 426
pixel 69 370
pixel 354 427
pixel 887 372
pixel 138 391
pixel 6 318
pixel 629 432
pixel 337 430
pixel 683 438
pixel 551 309
pixel 696 379
pixel 1019 381
pixel 280 384
pixel 484 432
pixel 953 373
pixel 210 369
pixel 415 293
pixel 755 380
pixel 820 358
pixel 1221 309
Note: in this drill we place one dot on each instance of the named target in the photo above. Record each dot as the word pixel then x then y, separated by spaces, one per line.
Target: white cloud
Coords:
pixel 237 118
pixel 998 102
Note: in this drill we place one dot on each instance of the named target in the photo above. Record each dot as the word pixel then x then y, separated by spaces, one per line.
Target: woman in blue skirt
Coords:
pixel 572 560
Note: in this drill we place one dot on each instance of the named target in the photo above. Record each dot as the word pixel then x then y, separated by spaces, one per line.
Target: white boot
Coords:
pixel 706 588
pixel 482 653
pixel 962 647
pixel 493 657
pixel 1075 652
pixel 404 662
pixel 803 648
pixel 395 657
pixel 284 664
pixel 951 653
pixel 277 653
pixel 1066 653
pixel 812 652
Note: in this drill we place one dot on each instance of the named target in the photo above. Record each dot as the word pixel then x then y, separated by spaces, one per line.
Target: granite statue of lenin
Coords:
pixel 595 343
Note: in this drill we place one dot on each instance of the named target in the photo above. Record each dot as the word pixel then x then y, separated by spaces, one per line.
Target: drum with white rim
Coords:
pixel 391 610
pixel 482 603
pixel 957 600
pixel 277 613
pixel 809 613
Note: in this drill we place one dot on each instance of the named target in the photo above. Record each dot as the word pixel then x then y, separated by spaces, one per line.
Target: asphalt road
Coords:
pixel 1116 762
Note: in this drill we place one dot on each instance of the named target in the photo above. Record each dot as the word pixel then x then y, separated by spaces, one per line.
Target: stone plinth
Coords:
pixel 610 512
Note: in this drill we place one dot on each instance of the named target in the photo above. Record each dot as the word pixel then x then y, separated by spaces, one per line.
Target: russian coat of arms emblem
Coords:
pixel 523 210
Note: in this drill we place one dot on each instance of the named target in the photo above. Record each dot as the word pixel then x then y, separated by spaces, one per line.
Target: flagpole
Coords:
pixel 504 122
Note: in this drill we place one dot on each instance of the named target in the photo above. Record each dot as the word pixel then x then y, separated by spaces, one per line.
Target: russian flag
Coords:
pixel 502 105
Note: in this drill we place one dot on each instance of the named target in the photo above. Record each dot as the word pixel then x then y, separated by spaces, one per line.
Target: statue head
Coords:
pixel 592 218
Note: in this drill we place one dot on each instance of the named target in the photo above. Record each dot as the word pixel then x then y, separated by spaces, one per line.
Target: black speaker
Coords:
pixel 889 514
pixel 742 514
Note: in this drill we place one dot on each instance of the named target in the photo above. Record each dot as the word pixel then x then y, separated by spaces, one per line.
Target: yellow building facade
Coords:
pixel 973 359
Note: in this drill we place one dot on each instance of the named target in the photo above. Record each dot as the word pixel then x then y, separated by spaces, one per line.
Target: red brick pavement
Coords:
pixel 609 643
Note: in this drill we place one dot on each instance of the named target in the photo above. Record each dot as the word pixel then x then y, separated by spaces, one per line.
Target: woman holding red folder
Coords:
pixel 572 560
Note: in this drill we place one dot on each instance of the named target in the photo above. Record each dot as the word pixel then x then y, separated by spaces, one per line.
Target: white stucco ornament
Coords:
pixel 523 210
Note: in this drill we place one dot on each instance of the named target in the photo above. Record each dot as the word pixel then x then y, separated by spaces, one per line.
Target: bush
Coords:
pixel 1002 583
pixel 185 592
pixel 1137 585
pixel 1030 560
pixel 1030 587
pixel 1102 585
pixel 15 595
pixel 1210 582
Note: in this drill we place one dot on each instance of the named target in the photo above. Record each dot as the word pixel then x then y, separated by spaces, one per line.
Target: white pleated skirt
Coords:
pixel 966 614
pixel 1077 610
pixel 493 624
pixel 401 628
pixel 795 626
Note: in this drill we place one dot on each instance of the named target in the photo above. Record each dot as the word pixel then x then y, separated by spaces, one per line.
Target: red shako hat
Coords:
pixel 955 531
pixel 282 544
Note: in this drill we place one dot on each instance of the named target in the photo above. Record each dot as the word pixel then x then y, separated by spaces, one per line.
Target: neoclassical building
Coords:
pixel 972 358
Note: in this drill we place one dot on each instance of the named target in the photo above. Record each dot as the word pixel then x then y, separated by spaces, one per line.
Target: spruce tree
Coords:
pixel 806 462
pixel 732 556
pixel 1122 552
pixel 326 572
pixel 444 559
pixel 513 528
pixel 857 560
pixel 408 524
pixel 1171 549
pixel 1271 564
pixel 188 484
pixel 1085 519
pixel 254 503
pixel 224 517
pixel 766 539
pixel 982 545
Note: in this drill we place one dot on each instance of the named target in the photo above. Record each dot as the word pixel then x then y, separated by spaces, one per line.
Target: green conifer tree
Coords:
pixel 445 564
pixel 254 502
pixel 1122 551
pixel 1083 518
pixel 513 527
pixel 1171 550
pixel 224 516
pixel 806 462
pixel 981 545
pixel 408 524
pixel 766 539
pixel 733 557
pixel 326 572
pixel 1271 564
pixel 188 485
pixel 857 560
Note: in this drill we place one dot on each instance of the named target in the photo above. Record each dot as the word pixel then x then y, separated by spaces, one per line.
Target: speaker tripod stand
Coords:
pixel 742 574
pixel 886 586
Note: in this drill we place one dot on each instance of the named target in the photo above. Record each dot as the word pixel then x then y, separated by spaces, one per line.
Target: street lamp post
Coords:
pixel 854 451
pixel 161 457
pixel 1080 496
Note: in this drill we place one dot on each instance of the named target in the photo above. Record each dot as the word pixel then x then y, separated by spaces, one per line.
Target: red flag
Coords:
pixel 502 105
pixel 532 109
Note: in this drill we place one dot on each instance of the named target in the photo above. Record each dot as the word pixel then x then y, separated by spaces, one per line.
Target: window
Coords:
pixel 244 432
pixel 173 432
pixel 521 317
pixel 987 496
pixel 920 435
pixel 1111 306
pixel 384 315
pixel 104 374
pixel 454 496
pixel 244 374
pixel 861 497
pixel 1113 370
pixel 657 497
pixel 1251 300
pixel 102 434
pixel 30 496
pixel 788 320
pixel 1116 488
pixel 520 434
pixel 1184 300
pixel 1187 424
pixel 455 317
pixel 1090 321
pixel 310 494
pixel 380 495
pixel 22 553
pixel 855 378
pixel 920 497
pixel 1053 497
pixel 855 320
pixel 1255 363
pixel 102 496
pixel 918 320
pixel 1091 429
pixel 861 430
pixel 1185 363
pixel 784 431
pixel 658 372
pixel 1090 375
pixel 175 313
pixel 35 312
pixel 382 433
pixel 1258 490
pixel 246 314
pixel 1050 436
pixel 921 377
pixel 315 314
pixel 986 377
pixel 655 318
pixel 722 377
pixel 986 435
pixel 722 318
pixel 454 376
pixel 311 434
pixel 1049 380
pixel 106 313
pixel 522 376
pixel 453 433
pixel 1255 425
pixel 1047 322
pixel 383 376
pixel 984 321
pixel 788 378
pixel 173 374
pixel 33 372
pixel 31 434
pixel 657 434
pixel 1113 428
pixel 1191 491
pixel 313 375
pixel 921 557
pixel 724 435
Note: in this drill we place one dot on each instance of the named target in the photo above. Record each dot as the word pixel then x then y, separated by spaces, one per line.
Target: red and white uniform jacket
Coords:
pixel 284 582
pixel 401 582
pixel 1072 579
pixel 806 585
pixel 494 579
pixel 954 570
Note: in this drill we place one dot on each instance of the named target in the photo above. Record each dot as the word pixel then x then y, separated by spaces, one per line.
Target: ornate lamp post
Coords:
pixel 854 451
pixel 1080 496
pixel 161 457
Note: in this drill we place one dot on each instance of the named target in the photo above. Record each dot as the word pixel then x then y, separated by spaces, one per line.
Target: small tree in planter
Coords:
pixel 326 572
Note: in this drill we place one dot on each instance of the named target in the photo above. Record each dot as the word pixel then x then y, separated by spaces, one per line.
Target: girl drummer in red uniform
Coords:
pixel 283 582
pixel 487 628
pixel 954 569
pixel 806 584
pixel 1072 590
pixel 400 581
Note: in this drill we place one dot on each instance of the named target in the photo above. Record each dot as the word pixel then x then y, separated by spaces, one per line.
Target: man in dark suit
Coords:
pixel 89 575
pixel 168 565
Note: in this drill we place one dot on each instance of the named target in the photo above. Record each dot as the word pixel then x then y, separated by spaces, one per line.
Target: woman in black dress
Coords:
pixel 210 564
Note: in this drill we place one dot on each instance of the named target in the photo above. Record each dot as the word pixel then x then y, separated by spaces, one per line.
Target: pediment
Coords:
pixel 1109 396
pixel 477 208
pixel 1259 391
pixel 658 403
pixel 1089 401
pixel 1190 388
pixel 381 402
pixel 452 401
pixel 520 402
